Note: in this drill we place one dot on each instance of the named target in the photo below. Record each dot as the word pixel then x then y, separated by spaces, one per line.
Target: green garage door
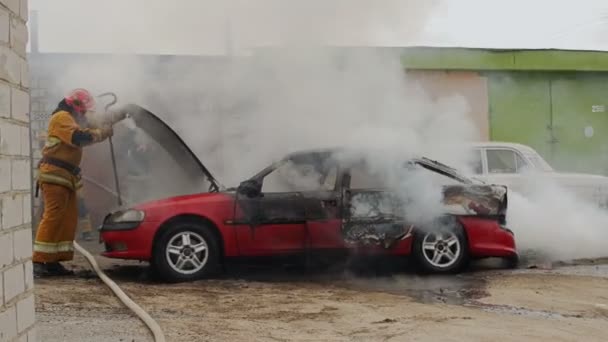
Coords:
pixel 580 123
pixel 520 110
pixel 563 117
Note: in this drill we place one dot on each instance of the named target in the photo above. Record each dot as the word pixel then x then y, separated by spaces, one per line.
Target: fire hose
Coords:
pixel 128 302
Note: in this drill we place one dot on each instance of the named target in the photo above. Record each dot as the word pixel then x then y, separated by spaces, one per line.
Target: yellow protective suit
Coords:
pixel 57 228
pixel 84 219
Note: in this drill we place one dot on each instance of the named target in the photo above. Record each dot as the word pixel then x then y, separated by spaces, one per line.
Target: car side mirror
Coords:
pixel 250 188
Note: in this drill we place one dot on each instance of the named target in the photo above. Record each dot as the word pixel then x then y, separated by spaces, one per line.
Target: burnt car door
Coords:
pixel 274 208
pixel 372 214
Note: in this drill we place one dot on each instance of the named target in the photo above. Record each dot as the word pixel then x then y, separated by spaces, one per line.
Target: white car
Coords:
pixel 506 163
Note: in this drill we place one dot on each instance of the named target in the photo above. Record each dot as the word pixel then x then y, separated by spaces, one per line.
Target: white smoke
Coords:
pixel 240 115
pixel 301 94
pixel 556 223
pixel 306 98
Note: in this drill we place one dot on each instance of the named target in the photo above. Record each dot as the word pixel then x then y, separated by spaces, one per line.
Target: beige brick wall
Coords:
pixel 16 280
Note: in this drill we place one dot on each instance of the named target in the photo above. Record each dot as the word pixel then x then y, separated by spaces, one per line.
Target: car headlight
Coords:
pixel 126 216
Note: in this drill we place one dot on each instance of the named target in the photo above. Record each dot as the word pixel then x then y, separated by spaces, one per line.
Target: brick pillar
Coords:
pixel 16 281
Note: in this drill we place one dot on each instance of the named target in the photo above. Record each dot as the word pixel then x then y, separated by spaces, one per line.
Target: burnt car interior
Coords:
pixel 296 189
pixel 310 187
pixel 372 213
pixel 317 186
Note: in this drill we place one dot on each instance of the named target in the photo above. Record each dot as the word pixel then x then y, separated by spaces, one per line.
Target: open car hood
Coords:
pixel 166 167
pixel 471 197
pixel 159 131
pixel 442 169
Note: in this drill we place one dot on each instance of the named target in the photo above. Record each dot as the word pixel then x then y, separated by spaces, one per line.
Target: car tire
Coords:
pixel 441 248
pixel 186 251
pixel 512 262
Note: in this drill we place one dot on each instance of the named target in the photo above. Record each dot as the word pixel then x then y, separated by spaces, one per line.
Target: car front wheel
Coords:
pixel 186 251
pixel 441 250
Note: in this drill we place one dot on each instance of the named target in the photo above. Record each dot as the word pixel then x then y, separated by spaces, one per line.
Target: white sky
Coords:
pixel 199 26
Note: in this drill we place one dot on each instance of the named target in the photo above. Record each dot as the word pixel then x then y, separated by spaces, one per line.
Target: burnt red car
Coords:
pixel 308 202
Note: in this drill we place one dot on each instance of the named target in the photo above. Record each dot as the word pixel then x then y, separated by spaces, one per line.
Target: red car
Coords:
pixel 308 202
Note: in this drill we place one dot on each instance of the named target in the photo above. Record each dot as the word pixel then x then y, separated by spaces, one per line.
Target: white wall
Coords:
pixel 16 277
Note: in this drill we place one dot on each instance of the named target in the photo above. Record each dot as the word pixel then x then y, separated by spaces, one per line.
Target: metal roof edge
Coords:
pixel 458 58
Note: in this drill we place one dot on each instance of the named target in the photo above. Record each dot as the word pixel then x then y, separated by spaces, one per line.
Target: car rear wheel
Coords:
pixel 512 262
pixel 186 251
pixel 441 250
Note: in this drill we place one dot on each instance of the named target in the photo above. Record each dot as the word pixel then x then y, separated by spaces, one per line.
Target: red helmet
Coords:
pixel 81 100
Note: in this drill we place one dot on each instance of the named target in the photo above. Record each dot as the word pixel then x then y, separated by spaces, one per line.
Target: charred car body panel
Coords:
pixel 308 205
pixel 377 216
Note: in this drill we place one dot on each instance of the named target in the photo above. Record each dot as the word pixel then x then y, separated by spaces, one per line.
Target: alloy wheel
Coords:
pixel 187 252
pixel 441 249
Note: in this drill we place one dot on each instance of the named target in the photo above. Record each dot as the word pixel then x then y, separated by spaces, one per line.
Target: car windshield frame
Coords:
pixel 539 162
pixel 426 163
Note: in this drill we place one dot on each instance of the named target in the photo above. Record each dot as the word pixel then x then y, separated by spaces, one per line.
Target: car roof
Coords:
pixel 427 163
pixel 479 144
pixel 334 150
pixel 329 150
pixel 516 146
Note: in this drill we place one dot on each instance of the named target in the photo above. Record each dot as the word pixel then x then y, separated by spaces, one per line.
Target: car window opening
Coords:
pixel 294 175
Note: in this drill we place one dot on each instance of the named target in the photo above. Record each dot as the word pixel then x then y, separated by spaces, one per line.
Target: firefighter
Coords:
pixel 59 181
pixel 84 218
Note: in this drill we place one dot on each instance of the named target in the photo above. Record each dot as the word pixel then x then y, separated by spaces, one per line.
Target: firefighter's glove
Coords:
pixel 118 115
pixel 111 117
pixel 106 132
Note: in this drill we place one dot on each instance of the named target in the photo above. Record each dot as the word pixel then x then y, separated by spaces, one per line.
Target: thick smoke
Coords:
pixel 305 98
pixel 289 99
pixel 301 94
pixel 240 114
pixel 556 223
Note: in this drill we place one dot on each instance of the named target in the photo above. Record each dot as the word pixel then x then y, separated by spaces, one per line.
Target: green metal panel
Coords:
pixel 580 121
pixel 520 110
pixel 482 59
pixel 455 59
pixel 560 60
